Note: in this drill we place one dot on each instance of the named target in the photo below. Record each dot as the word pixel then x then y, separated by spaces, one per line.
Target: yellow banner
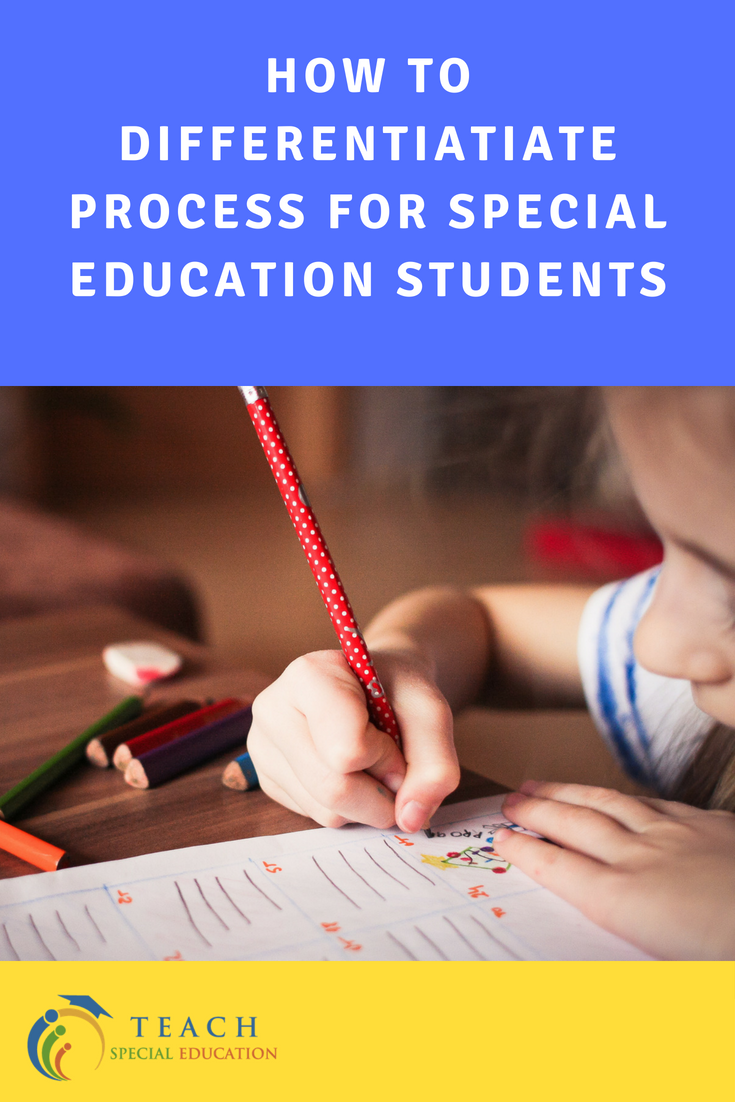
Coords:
pixel 368 1032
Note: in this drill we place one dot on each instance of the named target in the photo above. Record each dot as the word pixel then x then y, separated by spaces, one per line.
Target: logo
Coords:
pixel 57 1031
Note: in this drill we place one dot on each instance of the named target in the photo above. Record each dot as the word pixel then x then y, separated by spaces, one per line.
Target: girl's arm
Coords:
pixel 435 650
pixel 515 642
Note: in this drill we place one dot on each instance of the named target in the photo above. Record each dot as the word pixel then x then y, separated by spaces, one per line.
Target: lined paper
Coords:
pixel 350 894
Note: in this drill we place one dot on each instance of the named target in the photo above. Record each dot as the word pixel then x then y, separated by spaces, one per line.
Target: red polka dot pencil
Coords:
pixel 322 566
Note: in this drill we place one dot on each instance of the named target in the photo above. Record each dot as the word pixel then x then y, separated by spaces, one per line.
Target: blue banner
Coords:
pixel 390 193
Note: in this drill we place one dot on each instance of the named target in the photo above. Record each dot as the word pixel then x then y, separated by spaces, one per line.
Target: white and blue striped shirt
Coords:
pixel 650 722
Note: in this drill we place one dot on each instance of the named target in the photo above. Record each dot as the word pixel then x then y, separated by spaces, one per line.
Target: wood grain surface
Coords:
pixel 53 684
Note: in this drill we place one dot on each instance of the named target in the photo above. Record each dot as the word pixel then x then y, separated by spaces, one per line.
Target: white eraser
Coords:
pixel 139 664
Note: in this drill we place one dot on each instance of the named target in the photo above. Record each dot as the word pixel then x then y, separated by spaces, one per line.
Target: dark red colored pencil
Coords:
pixel 169 732
pixel 168 761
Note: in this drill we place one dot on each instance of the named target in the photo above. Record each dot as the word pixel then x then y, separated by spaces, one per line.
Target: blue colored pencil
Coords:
pixel 240 774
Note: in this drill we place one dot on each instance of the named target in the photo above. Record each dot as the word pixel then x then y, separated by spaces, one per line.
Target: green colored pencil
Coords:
pixel 43 777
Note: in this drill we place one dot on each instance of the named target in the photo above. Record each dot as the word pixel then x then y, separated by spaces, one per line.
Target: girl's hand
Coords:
pixel 317 753
pixel 657 873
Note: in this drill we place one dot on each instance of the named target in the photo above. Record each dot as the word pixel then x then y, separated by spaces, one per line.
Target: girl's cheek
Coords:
pixel 717 701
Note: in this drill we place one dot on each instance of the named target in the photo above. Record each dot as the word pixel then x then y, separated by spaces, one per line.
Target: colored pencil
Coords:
pixel 41 854
pixel 168 761
pixel 63 760
pixel 240 774
pixel 101 749
pixel 169 732
pixel 317 553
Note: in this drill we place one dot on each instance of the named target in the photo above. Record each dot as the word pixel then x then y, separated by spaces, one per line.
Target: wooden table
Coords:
pixel 53 685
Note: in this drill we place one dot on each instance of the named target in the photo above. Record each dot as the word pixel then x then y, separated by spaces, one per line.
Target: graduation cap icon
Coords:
pixel 87 1003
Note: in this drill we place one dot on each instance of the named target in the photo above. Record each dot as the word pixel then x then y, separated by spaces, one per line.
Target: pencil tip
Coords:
pixel 122 758
pixel 97 754
pixel 233 777
pixel 135 775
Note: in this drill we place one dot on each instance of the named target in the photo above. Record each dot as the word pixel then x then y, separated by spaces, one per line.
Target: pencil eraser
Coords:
pixel 139 664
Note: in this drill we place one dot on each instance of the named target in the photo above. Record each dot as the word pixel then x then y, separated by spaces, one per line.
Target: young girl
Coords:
pixel 653 656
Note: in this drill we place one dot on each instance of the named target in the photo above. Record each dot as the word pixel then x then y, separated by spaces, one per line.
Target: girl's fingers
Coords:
pixel 629 811
pixel 672 808
pixel 331 757
pixel 427 734
pixel 578 828
pixel 331 799
pixel 278 794
pixel 322 688
pixel 580 880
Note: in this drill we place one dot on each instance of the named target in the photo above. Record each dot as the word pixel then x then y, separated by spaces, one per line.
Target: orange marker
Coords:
pixel 41 854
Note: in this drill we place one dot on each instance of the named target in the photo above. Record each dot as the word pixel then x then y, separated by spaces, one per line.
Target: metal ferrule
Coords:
pixel 253 394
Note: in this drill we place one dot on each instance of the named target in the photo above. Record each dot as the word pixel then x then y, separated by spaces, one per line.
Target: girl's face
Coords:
pixel 679 444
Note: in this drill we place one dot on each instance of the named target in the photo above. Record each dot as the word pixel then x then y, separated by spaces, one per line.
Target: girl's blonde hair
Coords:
pixel 709 779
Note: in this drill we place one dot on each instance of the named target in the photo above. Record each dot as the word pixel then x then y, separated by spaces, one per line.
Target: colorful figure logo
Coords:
pixel 45 1034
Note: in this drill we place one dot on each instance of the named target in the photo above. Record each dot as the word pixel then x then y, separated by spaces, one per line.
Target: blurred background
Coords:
pixel 159 498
